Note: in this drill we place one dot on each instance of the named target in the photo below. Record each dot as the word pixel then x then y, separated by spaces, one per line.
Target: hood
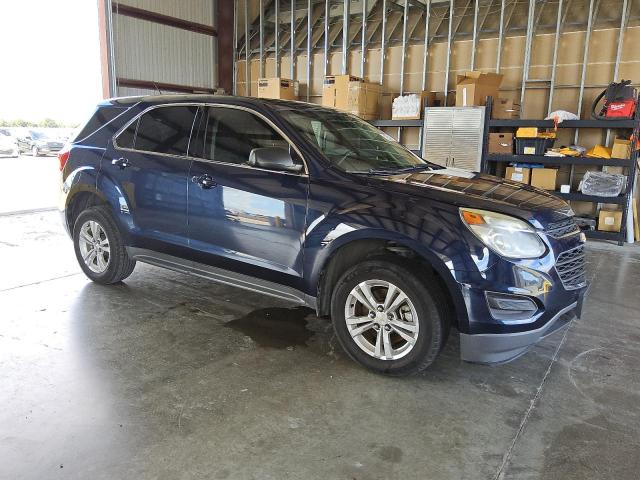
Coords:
pixel 477 190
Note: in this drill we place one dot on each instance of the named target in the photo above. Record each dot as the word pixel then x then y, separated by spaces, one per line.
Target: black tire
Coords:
pixel 427 299
pixel 119 265
pixel 35 152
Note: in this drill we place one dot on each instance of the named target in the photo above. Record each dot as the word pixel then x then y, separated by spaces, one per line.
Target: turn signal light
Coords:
pixel 472 218
pixel 63 156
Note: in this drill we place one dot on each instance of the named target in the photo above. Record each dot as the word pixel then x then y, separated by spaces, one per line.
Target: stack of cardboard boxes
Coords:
pixel 351 94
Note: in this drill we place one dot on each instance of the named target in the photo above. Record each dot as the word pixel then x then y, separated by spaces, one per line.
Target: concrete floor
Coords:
pixel 168 376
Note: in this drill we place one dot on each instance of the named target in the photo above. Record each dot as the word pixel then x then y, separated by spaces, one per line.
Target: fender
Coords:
pixel 318 256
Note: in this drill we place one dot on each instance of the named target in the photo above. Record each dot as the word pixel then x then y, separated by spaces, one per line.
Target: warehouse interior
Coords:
pixel 167 375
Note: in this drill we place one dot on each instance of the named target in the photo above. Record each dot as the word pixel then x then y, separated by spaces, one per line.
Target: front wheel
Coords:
pixel 99 248
pixel 387 318
pixel 35 152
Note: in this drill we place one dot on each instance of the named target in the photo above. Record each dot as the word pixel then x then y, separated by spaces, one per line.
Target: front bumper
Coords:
pixel 504 347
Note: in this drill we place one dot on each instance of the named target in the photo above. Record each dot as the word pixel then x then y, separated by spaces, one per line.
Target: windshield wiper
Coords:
pixel 387 171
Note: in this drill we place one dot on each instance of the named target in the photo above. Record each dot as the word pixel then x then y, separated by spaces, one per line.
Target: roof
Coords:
pixel 206 98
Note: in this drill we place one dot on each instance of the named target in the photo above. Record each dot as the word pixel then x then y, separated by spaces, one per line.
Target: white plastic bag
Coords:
pixel 602 184
pixel 562 115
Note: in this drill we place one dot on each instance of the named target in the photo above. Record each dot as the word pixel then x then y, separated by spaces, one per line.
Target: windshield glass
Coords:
pixel 351 144
pixel 39 135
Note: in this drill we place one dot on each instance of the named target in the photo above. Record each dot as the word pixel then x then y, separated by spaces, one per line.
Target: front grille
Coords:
pixel 571 268
pixel 562 228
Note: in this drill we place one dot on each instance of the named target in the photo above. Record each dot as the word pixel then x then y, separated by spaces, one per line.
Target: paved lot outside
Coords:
pixel 167 376
pixel 28 183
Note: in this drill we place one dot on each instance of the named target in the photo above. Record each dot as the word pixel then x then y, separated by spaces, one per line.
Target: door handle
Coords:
pixel 121 163
pixel 204 181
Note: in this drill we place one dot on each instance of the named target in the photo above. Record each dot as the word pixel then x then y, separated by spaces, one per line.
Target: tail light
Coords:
pixel 63 155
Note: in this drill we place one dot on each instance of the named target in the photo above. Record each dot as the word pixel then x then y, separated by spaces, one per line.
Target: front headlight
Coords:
pixel 505 235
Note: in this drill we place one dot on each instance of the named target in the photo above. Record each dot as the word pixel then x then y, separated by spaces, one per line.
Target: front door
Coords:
pixel 150 166
pixel 243 218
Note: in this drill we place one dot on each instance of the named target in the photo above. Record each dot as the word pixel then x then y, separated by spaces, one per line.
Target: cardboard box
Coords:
pixel 501 143
pixel 505 109
pixel 621 148
pixel 474 87
pixel 418 100
pixel 281 88
pixel 609 221
pixel 544 178
pixel 351 94
pixel 518 174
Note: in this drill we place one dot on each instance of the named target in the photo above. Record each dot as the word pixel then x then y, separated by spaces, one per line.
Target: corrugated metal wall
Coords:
pixel 150 51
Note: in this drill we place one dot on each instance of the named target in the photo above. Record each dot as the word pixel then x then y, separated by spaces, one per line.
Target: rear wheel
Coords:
pixel 387 319
pixel 99 248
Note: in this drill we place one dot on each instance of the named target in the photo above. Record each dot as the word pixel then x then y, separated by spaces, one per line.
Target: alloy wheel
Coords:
pixel 381 319
pixel 94 246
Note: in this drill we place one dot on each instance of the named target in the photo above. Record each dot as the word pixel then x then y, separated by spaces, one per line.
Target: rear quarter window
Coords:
pixel 99 119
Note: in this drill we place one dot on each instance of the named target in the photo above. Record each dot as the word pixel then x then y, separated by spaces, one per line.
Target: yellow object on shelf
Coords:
pixel 527 132
pixel 569 152
pixel 599 151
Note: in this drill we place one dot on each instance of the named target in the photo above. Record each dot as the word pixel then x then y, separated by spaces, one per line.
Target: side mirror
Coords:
pixel 273 158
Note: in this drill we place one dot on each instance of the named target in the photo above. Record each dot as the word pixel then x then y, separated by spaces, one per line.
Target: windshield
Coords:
pixel 39 135
pixel 351 144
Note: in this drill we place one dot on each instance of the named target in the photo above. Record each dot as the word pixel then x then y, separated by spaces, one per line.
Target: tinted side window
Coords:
pixel 128 136
pixel 165 130
pixel 100 118
pixel 230 135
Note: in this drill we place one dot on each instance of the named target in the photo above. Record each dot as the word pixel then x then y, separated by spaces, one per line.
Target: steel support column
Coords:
pixel 425 53
pixel 384 40
pixel 474 41
pixel 326 37
pixel 276 34
pixel 527 52
pixel 292 63
pixel 309 60
pixel 500 36
pixel 247 45
pixel 345 36
pixel 235 46
pixel 113 77
pixel 226 58
pixel 446 75
pixel 556 43
pixel 261 39
pixel 364 37
pixel 404 45
pixel 585 59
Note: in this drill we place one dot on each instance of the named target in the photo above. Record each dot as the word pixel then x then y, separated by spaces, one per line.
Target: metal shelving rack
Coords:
pixel 490 160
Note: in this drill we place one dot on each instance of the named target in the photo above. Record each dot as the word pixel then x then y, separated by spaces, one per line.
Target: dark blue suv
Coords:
pixel 319 208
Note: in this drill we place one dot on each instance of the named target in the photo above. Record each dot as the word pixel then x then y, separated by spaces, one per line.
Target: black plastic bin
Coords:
pixel 539 144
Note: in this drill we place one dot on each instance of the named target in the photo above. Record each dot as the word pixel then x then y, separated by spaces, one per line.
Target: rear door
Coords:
pixel 150 166
pixel 244 218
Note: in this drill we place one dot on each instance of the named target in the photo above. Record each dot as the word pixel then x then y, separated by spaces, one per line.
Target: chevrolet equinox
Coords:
pixel 319 208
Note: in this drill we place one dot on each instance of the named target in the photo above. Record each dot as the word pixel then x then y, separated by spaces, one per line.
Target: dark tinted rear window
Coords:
pixel 165 130
pixel 101 117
